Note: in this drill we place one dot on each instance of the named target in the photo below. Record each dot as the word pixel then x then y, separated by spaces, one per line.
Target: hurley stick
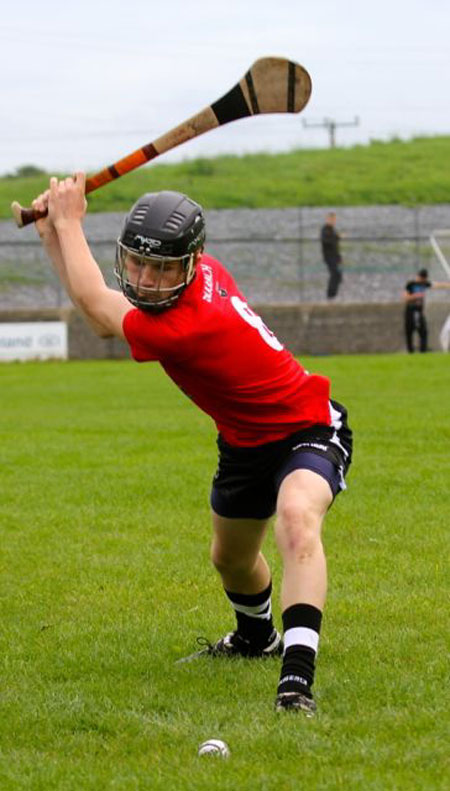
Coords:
pixel 271 85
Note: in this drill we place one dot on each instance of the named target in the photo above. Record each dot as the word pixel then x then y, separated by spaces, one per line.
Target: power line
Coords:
pixel 330 124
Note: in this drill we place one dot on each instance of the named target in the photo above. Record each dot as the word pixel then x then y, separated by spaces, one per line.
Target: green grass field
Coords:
pixel 105 582
pixel 396 172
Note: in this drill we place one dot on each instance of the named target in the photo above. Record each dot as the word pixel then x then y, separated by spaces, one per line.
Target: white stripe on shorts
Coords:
pixel 336 417
pixel 301 635
pixel 336 422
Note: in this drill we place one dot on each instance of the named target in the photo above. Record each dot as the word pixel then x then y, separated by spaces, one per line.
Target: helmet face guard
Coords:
pixel 157 249
pixel 129 271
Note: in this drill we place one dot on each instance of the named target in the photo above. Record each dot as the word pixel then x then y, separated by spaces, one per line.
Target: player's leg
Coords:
pixel 409 330
pixel 303 500
pixel 308 480
pixel 243 499
pixel 236 554
pixel 334 280
pixel 330 286
pixel 423 332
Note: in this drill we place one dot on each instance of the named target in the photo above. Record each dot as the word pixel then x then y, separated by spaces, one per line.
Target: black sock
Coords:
pixel 253 615
pixel 301 625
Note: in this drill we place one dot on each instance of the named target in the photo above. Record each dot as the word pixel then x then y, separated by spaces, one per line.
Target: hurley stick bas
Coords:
pixel 271 85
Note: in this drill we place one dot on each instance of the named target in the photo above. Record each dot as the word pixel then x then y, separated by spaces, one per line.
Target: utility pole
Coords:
pixel 330 124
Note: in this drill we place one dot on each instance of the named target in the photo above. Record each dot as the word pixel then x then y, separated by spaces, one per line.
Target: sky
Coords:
pixel 86 83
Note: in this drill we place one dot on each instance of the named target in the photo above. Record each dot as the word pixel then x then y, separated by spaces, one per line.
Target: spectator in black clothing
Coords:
pixel 414 296
pixel 330 238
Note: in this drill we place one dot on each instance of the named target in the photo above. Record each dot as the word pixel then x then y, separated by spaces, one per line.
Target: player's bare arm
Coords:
pixel 50 242
pixel 444 284
pixel 103 307
pixel 49 237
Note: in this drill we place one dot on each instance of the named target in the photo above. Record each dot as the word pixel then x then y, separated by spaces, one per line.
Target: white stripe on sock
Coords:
pixel 301 635
pixel 263 611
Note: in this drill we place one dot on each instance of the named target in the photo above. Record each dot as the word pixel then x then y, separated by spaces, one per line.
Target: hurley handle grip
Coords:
pixel 24 216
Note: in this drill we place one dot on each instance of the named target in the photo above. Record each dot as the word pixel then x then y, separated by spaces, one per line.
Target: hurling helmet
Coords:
pixel 162 228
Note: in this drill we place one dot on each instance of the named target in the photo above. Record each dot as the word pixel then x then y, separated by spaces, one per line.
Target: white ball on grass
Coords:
pixel 214 747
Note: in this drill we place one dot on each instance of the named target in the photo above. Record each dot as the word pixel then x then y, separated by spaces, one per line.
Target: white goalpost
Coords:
pixel 440 242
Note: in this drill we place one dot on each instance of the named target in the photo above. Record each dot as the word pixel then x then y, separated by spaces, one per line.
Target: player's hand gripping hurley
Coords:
pixel 271 85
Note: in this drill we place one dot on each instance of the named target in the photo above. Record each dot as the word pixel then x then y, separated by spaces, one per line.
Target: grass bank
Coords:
pixel 397 172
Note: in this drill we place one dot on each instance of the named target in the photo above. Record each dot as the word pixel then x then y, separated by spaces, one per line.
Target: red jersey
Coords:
pixel 221 354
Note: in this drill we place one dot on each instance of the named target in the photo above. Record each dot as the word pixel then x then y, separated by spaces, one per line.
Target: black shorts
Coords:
pixel 247 480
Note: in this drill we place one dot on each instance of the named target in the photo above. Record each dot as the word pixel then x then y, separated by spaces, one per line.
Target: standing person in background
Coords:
pixel 330 239
pixel 414 297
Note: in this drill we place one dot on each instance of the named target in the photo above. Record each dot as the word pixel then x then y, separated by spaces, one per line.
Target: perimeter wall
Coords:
pixel 275 257
pixel 308 329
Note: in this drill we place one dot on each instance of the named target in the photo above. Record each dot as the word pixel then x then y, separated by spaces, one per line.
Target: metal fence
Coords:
pixel 275 255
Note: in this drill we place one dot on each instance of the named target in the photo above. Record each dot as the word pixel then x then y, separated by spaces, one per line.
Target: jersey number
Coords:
pixel 256 321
